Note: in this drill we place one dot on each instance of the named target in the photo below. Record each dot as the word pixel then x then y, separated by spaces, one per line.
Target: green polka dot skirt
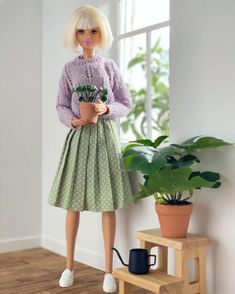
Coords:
pixel 91 174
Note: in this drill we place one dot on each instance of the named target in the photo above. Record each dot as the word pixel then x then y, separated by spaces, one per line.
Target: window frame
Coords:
pixel 121 36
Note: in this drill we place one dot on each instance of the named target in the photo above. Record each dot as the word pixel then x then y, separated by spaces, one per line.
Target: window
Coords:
pixel 143 42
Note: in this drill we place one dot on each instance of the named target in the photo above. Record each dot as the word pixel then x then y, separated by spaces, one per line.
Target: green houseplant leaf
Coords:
pixel 200 142
pixel 169 171
pixel 171 181
pixel 91 93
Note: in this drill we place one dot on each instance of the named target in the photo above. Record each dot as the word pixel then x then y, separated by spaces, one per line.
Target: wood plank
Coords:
pixel 155 281
pixel 154 236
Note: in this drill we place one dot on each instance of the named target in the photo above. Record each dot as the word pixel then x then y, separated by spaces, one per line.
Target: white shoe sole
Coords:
pixel 63 285
pixel 109 290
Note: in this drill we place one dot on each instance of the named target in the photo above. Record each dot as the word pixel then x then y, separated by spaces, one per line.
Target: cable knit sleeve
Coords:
pixel 63 103
pixel 122 104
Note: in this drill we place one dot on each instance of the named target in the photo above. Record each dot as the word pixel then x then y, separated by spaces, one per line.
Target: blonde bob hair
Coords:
pixel 87 17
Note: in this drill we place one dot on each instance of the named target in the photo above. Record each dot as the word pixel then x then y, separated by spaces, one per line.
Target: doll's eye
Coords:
pixel 94 32
pixel 81 31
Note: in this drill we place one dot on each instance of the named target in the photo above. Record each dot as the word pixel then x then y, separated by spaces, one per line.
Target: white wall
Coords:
pixel 20 127
pixel 202 90
pixel 202 87
pixel 89 243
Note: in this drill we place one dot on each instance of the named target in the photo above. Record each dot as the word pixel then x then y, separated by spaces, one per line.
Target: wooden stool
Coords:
pixel 191 247
pixel 155 281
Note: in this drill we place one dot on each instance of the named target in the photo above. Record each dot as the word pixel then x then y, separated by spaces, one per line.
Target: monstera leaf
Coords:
pixel 185 160
pixel 148 142
pixel 139 158
pixel 168 185
pixel 201 142
pixel 171 181
pixel 147 159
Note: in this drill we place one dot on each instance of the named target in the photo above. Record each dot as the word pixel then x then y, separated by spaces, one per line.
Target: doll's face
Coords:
pixel 88 38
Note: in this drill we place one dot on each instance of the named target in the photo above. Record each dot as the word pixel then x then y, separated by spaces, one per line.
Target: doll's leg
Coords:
pixel 109 229
pixel 72 222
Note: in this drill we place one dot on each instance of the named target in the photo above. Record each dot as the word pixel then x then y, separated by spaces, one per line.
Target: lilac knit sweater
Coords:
pixel 98 71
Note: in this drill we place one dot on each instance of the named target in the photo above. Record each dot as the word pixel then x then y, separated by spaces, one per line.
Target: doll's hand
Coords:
pixel 79 122
pixel 100 107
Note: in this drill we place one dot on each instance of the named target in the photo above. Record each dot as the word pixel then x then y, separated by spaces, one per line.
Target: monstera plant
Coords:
pixel 171 174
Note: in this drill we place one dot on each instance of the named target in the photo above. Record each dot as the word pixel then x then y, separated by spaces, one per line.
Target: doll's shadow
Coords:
pixel 128 219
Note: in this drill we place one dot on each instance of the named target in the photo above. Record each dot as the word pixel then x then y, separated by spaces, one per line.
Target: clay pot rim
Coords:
pixel 85 102
pixel 178 205
pixel 174 208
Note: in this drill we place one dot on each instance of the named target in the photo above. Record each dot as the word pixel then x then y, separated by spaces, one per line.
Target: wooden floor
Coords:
pixel 38 271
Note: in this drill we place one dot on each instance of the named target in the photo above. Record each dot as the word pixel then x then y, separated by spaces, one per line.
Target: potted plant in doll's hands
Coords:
pixel 89 95
pixel 170 177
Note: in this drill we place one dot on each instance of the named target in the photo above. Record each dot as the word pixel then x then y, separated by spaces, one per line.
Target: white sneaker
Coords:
pixel 66 279
pixel 109 283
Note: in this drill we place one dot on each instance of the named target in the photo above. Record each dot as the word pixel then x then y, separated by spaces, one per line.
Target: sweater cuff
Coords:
pixel 107 111
pixel 112 111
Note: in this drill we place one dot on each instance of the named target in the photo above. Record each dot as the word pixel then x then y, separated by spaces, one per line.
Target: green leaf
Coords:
pixel 203 142
pixel 158 162
pixel 169 151
pixel 143 192
pixel 216 185
pixel 141 158
pixel 156 45
pixel 148 150
pixel 136 60
pixel 185 160
pixel 159 140
pixel 146 142
pixel 103 98
pixel 190 140
pixel 105 91
pixel 171 181
pixel 129 162
pixel 210 176
pixel 128 146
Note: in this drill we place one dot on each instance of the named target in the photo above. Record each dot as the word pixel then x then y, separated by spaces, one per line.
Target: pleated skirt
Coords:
pixel 91 175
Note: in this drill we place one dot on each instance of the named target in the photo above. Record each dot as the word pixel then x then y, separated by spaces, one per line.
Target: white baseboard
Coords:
pixel 82 255
pixel 21 243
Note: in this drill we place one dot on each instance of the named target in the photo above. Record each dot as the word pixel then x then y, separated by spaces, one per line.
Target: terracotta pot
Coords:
pixel 87 111
pixel 174 219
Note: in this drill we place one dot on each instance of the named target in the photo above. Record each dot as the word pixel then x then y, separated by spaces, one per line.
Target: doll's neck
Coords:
pixel 88 53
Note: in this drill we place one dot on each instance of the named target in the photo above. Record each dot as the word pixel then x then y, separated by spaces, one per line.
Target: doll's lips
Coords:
pixel 87 42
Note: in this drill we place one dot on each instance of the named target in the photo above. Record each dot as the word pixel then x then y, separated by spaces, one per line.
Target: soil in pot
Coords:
pixel 174 219
pixel 87 111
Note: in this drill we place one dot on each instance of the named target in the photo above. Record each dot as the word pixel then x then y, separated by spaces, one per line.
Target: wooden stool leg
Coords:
pixel 162 254
pixel 175 291
pixel 202 269
pixel 146 245
pixel 162 258
pixel 124 287
pixel 181 263
pixel 178 291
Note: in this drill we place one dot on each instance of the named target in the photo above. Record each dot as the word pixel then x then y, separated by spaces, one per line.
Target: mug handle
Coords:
pixel 154 259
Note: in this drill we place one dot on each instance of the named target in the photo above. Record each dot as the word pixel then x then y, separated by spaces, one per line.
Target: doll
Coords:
pixel 91 175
